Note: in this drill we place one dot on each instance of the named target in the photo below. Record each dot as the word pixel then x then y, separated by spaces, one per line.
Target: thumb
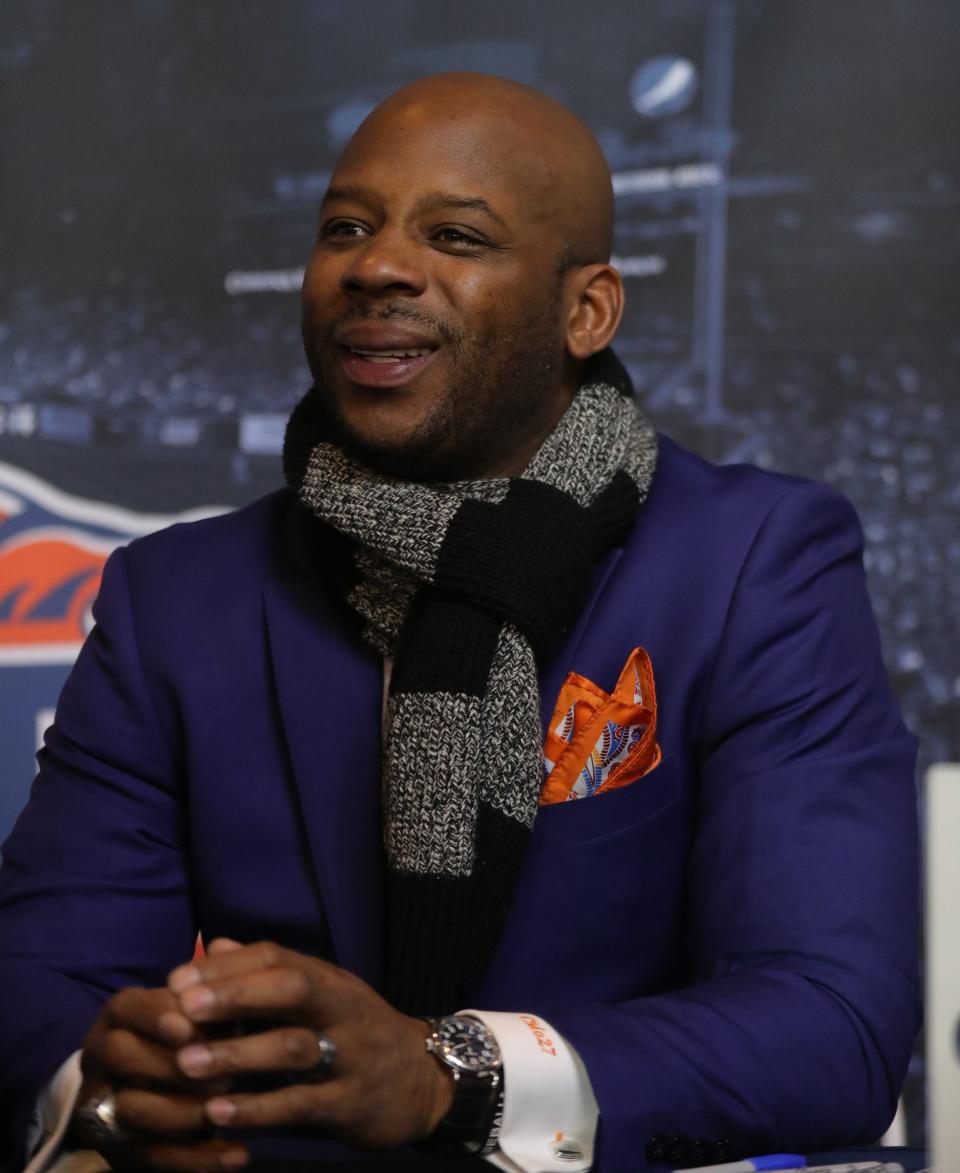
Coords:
pixel 222 945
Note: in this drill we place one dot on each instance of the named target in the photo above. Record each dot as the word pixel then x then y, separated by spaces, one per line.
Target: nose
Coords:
pixel 385 263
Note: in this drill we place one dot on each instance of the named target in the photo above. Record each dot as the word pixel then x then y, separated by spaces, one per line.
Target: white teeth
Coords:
pixel 389 355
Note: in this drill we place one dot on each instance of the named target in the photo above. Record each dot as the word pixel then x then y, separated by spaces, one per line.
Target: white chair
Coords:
pixel 942 855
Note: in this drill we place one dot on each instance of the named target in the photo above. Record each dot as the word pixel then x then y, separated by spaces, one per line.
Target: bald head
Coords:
pixel 521 137
pixel 459 280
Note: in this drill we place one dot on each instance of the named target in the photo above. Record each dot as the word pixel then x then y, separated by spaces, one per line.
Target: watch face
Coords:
pixel 466 1043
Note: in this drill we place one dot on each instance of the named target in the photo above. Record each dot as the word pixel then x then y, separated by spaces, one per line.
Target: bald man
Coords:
pixel 520 771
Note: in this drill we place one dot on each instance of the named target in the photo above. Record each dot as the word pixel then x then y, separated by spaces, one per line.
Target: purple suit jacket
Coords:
pixel 729 942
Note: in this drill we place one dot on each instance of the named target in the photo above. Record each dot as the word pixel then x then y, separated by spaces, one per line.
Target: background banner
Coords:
pixel 788 187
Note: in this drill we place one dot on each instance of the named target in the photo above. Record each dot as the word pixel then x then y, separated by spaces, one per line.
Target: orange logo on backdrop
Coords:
pixel 47 587
pixel 53 547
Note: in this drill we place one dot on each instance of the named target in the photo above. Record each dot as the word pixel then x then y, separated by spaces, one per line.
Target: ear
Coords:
pixel 595 295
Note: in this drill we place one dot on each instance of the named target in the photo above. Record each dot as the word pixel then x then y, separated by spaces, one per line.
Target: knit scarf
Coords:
pixel 470 587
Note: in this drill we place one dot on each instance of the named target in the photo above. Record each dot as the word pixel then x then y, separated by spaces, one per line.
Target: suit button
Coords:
pixel 657 1149
pixel 678 1149
pixel 681 1151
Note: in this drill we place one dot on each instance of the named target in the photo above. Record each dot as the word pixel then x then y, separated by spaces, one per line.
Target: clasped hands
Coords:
pixel 174 1071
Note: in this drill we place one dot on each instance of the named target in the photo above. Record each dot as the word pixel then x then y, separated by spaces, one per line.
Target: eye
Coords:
pixel 341 230
pixel 458 239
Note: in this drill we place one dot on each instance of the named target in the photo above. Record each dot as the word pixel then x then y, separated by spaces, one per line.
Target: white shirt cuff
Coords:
pixel 548 1103
pixel 51 1120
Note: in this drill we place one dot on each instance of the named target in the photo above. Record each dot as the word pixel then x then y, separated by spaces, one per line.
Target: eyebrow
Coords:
pixel 438 200
pixel 434 201
pixel 347 192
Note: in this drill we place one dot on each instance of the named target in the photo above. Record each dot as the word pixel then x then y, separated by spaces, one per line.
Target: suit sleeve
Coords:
pixel 802 878
pixel 94 893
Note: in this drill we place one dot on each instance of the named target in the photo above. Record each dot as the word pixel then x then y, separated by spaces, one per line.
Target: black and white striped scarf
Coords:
pixel 469 587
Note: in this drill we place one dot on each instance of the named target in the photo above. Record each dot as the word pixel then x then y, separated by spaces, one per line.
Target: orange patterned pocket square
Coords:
pixel 599 741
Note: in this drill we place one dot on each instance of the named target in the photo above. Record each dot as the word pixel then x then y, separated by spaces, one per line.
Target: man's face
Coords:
pixel 432 302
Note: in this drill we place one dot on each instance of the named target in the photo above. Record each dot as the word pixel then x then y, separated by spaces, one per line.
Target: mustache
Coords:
pixel 400 311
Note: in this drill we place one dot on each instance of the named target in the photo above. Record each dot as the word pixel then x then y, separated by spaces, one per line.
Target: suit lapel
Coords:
pixel 329 691
pixel 554 674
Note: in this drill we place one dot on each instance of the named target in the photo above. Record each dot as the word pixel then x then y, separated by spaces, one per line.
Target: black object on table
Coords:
pixel 405 1161
pixel 389 1162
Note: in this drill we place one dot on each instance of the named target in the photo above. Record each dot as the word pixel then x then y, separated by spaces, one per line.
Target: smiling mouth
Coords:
pixel 386 367
pixel 388 356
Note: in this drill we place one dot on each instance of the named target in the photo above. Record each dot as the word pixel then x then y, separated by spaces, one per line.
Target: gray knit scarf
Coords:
pixel 469 587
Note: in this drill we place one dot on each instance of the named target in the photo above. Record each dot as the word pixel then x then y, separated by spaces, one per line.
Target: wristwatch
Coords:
pixel 469 1050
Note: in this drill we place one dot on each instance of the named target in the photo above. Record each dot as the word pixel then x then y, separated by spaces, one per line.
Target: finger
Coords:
pixel 221 962
pixel 288 994
pixel 300 1104
pixel 226 957
pixel 152 1013
pixel 121 1056
pixel 290 1049
pixel 221 945
pixel 139 1110
pixel 202 1157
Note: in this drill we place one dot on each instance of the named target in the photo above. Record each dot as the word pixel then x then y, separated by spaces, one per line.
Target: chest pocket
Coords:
pixel 612 813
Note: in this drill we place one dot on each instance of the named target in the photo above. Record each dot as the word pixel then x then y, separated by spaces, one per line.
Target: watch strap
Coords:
pixel 493 1129
pixel 477 1104
pixel 468 1122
